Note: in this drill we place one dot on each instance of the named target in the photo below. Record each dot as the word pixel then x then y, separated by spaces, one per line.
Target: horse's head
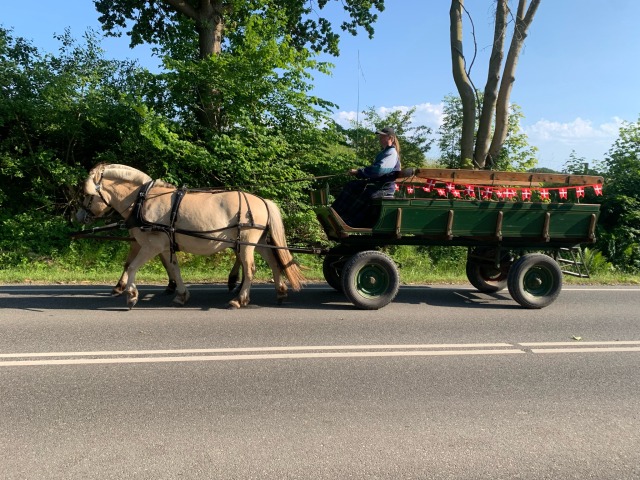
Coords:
pixel 99 188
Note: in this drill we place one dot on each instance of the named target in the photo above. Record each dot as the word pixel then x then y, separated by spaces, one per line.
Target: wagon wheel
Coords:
pixel 370 280
pixel 482 272
pixel 535 280
pixel 332 270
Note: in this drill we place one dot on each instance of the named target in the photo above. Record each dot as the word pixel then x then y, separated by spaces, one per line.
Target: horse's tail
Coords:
pixel 283 255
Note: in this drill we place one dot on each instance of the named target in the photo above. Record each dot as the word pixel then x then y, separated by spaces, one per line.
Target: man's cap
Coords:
pixel 387 131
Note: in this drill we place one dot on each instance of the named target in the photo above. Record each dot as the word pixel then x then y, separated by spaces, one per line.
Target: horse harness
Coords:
pixel 136 218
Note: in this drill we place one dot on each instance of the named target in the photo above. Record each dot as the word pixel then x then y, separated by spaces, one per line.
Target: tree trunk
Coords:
pixel 210 25
pixel 465 88
pixel 485 123
pixel 209 20
pixel 502 106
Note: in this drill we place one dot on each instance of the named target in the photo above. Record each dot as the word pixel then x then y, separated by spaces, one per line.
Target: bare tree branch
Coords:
pixel 508 78
pixel 464 85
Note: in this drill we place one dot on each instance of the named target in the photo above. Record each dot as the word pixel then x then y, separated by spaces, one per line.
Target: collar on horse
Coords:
pixel 136 218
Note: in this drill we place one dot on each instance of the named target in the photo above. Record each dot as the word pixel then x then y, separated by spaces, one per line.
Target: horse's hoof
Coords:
pixel 182 298
pixel 233 305
pixel 117 291
pixel 171 287
pixel 132 296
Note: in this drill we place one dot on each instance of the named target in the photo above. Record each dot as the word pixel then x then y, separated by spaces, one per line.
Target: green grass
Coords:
pixel 437 265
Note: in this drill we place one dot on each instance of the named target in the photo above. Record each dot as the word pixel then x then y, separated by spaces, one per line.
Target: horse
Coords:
pixel 83 216
pixel 163 218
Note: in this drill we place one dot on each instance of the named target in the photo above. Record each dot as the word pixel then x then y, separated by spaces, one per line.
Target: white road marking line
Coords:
pixel 585 350
pixel 313 351
pixel 578 343
pixel 255 349
pixel 273 356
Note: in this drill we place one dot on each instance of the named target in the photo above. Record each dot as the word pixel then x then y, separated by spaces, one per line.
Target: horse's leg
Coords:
pixel 245 255
pixel 144 255
pixel 232 281
pixel 165 258
pixel 270 258
pixel 122 283
pixel 182 294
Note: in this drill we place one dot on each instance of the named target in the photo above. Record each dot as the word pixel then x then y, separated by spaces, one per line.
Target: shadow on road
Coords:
pixel 211 297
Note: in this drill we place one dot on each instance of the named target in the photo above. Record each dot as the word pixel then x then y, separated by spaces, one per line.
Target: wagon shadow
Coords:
pixel 215 297
pixel 321 296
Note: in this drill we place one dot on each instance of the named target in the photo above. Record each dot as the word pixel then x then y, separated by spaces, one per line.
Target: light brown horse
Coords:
pixel 203 222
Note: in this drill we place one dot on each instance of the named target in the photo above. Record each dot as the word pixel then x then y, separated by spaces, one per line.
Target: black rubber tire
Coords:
pixel 332 271
pixel 370 280
pixel 482 272
pixel 486 277
pixel 535 280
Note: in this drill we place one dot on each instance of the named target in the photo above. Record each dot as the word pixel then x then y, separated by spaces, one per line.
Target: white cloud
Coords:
pixel 427 114
pixel 556 140
pixel 576 132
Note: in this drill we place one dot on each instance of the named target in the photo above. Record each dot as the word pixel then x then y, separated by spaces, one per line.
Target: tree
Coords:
pixel 576 165
pixel 59 114
pixel 183 27
pixel 620 212
pixel 516 154
pixel 414 139
pixel 483 147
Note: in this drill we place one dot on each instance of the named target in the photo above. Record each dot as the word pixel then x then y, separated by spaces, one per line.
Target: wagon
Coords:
pixel 522 232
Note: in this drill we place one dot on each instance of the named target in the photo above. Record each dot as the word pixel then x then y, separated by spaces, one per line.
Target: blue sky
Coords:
pixel 577 78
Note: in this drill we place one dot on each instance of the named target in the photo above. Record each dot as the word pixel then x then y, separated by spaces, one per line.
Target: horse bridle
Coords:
pixel 98 186
pixel 87 207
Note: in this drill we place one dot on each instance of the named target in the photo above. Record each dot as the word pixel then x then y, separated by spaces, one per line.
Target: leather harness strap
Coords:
pixel 136 219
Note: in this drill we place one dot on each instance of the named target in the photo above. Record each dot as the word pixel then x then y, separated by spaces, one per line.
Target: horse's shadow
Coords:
pixel 317 296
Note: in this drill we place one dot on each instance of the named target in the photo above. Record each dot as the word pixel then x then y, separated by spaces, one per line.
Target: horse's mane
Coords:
pixel 115 171
pixel 161 183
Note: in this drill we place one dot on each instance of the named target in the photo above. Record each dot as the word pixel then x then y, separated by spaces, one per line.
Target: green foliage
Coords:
pixel 414 140
pixel 162 23
pixel 516 153
pixel 620 211
pixel 58 114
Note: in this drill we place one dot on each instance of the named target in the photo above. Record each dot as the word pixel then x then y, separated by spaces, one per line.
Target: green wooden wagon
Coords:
pixel 518 227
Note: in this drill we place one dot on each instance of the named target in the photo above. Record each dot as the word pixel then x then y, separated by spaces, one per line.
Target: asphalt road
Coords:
pixel 443 383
